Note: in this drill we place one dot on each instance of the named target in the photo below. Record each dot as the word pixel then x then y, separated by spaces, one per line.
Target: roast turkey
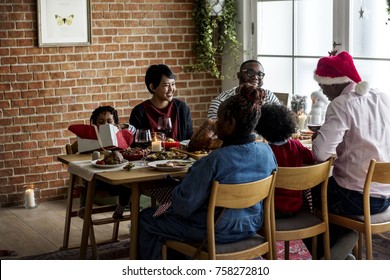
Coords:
pixel 205 138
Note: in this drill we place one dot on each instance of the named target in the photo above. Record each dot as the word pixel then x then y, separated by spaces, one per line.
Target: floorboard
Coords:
pixel 40 230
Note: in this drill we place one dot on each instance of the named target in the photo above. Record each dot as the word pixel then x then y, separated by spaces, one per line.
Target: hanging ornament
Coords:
pixel 361 12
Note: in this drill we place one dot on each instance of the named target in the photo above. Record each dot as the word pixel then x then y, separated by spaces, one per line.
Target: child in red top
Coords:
pixel 276 125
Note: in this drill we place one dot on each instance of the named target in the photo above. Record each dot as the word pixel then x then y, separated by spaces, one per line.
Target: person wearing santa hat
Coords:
pixel 356 129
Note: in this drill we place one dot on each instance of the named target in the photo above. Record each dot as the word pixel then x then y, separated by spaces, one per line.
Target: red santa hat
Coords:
pixel 339 69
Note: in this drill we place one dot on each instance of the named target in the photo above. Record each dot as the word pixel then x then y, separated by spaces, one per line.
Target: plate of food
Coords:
pixel 171 165
pixel 100 163
pixel 163 155
pixel 132 153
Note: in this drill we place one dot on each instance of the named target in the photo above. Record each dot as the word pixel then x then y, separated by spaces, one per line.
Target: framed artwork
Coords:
pixel 64 23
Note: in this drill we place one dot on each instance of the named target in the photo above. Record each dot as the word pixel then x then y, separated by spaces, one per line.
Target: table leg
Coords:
pixel 69 204
pixel 87 219
pixel 135 200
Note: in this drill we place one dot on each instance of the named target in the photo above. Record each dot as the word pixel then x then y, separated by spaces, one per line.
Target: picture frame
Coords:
pixel 64 23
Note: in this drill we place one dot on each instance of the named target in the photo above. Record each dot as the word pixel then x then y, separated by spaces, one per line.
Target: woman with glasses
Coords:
pixel 252 72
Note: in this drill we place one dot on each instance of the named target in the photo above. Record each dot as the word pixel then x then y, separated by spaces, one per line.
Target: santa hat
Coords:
pixel 339 69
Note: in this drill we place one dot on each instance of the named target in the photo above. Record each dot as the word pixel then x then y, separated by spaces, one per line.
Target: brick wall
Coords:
pixel 45 89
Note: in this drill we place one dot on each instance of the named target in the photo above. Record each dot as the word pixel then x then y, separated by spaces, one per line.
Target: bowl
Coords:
pixel 169 145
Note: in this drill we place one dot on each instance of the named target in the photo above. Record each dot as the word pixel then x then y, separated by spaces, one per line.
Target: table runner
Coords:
pixel 86 170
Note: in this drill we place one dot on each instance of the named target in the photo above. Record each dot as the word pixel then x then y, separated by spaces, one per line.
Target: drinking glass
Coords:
pixel 165 125
pixel 143 139
pixel 315 121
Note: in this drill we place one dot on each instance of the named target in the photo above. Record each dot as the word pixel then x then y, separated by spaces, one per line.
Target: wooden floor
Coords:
pixel 40 230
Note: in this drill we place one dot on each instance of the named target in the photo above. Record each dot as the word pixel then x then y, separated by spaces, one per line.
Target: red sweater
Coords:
pixel 290 154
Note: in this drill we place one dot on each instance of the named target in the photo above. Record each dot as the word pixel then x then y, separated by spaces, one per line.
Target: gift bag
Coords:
pixel 107 136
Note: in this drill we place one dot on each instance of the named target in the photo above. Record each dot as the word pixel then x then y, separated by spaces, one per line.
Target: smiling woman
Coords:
pixel 161 83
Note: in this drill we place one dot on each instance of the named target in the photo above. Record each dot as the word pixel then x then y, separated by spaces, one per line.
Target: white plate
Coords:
pixel 107 166
pixel 168 168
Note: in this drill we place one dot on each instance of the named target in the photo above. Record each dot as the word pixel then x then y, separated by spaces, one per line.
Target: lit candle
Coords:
pixel 30 198
pixel 156 146
pixel 301 121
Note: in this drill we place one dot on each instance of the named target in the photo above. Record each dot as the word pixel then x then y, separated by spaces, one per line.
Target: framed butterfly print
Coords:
pixel 64 23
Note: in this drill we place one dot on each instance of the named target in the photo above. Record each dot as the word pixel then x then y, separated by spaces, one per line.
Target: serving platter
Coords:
pixel 156 164
pixel 108 166
pixel 166 155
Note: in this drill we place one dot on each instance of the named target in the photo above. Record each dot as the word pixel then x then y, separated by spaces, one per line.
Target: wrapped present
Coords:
pixel 107 136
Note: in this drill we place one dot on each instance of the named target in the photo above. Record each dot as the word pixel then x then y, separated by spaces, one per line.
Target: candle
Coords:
pixel 30 198
pixel 156 146
pixel 302 121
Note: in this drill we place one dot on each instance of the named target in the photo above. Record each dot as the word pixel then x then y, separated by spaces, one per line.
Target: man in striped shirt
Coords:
pixel 251 71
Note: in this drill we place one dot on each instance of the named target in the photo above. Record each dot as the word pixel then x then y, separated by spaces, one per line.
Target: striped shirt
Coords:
pixel 214 105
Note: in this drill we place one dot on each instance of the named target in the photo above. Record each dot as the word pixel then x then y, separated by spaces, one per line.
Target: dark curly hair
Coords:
pixel 245 108
pixel 103 109
pixel 277 122
pixel 154 74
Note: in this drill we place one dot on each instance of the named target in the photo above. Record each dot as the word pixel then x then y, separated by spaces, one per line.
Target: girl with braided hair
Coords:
pixel 240 160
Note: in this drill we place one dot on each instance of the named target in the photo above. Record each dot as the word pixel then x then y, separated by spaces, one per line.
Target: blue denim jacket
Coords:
pixel 229 164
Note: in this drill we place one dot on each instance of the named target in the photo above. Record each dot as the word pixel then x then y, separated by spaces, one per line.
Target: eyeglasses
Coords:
pixel 251 73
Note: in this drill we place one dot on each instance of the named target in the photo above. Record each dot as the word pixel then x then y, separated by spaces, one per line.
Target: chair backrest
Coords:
pixel 71 148
pixel 304 177
pixel 239 196
pixel 378 172
pixel 284 98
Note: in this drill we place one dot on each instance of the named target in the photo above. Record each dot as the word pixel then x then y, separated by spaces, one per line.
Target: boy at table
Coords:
pixel 241 159
pixel 103 115
pixel 277 124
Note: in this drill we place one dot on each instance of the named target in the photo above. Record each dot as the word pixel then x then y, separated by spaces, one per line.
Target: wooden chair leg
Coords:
pixel 368 239
pixel 115 231
pixel 287 250
pixel 314 247
pixel 360 246
pixel 164 252
pixel 93 243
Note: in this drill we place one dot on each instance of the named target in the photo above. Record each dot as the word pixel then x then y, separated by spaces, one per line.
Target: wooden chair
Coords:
pixel 232 196
pixel 368 224
pixel 303 224
pixel 75 182
pixel 284 98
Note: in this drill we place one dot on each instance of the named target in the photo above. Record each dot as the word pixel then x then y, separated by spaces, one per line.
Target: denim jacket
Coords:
pixel 235 163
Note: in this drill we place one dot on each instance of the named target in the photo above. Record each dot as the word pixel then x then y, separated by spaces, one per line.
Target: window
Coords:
pixel 293 34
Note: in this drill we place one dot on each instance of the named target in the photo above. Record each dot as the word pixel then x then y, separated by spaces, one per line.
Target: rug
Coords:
pixel 120 250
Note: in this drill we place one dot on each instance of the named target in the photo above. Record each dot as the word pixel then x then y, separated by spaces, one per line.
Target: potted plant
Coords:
pixel 215 35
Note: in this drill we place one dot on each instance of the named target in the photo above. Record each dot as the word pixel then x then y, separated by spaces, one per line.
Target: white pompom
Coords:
pixel 362 88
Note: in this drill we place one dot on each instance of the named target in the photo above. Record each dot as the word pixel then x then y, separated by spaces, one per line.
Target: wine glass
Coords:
pixel 165 125
pixel 143 139
pixel 315 121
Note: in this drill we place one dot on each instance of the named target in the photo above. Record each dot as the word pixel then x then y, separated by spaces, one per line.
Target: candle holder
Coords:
pixel 31 196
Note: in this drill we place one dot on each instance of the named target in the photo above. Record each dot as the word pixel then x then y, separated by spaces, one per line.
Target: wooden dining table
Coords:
pixel 134 179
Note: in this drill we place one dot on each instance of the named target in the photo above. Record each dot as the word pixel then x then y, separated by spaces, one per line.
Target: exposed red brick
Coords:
pixel 44 89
